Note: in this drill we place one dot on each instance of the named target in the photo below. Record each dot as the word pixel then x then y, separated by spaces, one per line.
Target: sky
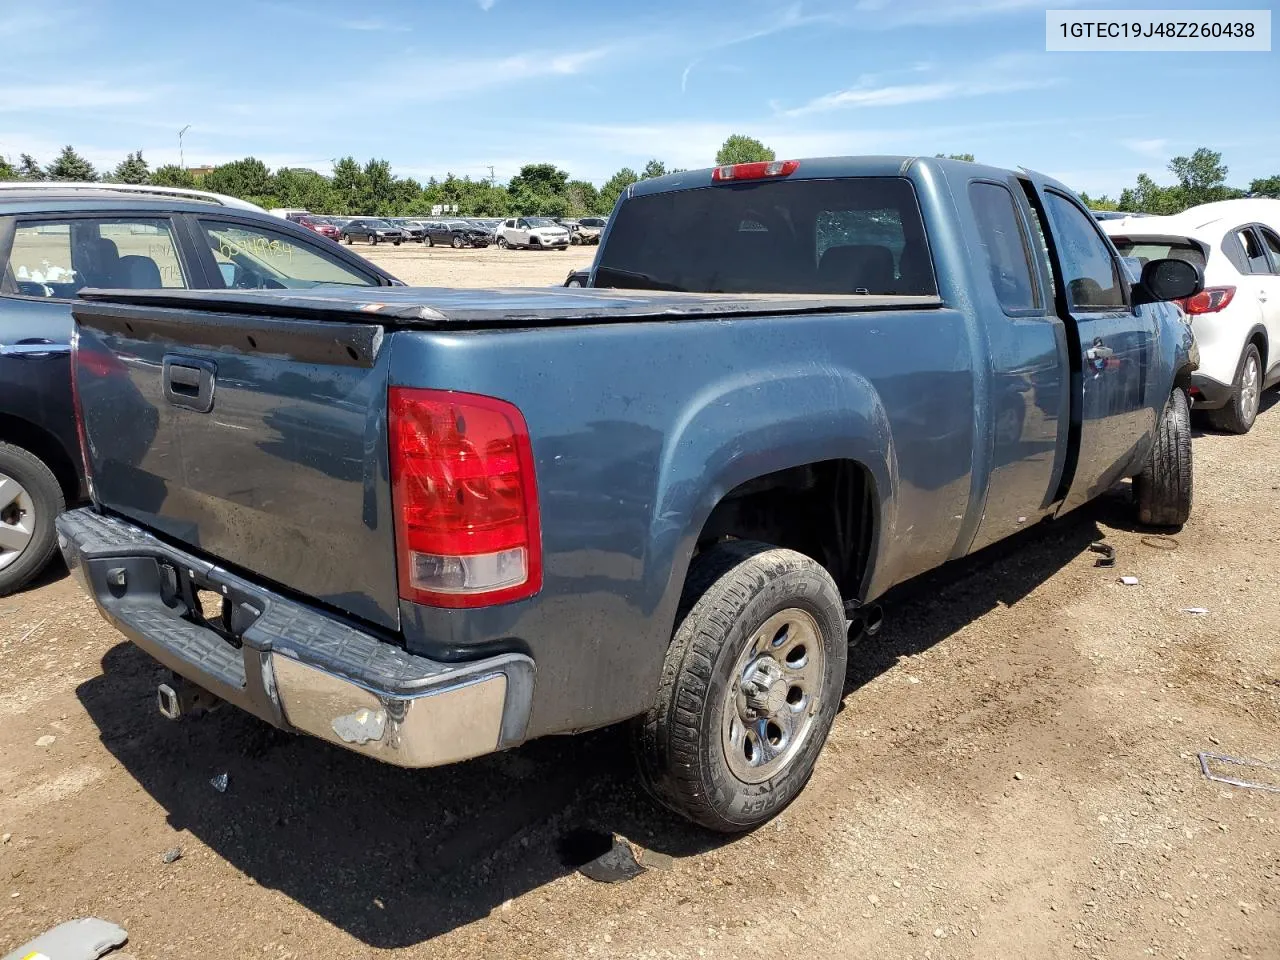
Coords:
pixel 438 86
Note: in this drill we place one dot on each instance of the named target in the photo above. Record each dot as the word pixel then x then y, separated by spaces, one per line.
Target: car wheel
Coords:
pixel 749 689
pixel 395 243
pixel 1242 409
pixel 1163 489
pixel 30 498
pixel 502 243
pixel 458 243
pixel 373 241
pixel 347 237
pixel 574 283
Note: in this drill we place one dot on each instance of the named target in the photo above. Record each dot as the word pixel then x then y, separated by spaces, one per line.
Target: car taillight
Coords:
pixel 755 171
pixel 1208 300
pixel 465 499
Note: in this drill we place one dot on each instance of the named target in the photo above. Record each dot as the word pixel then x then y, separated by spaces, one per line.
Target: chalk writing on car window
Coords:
pixel 260 247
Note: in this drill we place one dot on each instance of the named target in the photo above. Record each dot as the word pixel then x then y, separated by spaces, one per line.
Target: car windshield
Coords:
pixel 1146 249
pixel 540 222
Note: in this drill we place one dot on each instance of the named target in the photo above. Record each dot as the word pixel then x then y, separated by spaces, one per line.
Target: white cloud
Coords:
pixel 373 26
pixel 1155 147
pixel 486 5
pixel 901 13
pixel 1004 74
pixel 36 97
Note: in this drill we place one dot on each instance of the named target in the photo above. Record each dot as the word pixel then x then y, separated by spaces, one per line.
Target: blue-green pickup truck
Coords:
pixel 430 524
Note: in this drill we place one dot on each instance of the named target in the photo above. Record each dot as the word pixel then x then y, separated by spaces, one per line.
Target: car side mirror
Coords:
pixel 1164 280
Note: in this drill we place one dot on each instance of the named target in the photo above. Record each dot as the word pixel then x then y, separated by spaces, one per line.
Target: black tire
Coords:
pixel 458 243
pixel 373 240
pixel 395 243
pixel 502 243
pixel 732 591
pixel 1241 410
pixel 46 502
pixel 1163 489
pixel 347 237
pixel 430 242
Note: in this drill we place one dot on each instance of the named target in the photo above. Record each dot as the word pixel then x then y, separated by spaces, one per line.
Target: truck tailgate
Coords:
pixel 256 441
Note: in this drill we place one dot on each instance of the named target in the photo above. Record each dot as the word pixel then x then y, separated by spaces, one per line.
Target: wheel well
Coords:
pixel 43 445
pixel 825 510
pixel 1259 340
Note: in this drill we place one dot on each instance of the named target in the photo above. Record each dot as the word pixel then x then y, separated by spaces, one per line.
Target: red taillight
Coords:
pixel 465 499
pixel 1209 300
pixel 755 171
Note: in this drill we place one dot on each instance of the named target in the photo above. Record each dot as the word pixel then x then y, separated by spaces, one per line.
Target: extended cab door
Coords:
pixel 1112 408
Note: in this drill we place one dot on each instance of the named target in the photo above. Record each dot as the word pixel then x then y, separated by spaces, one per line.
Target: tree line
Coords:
pixel 373 189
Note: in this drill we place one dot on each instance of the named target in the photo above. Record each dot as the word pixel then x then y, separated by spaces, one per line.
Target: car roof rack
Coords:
pixel 183 193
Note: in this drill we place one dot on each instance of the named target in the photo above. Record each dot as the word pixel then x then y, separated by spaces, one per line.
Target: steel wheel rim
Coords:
pixel 1249 392
pixel 774 695
pixel 17 520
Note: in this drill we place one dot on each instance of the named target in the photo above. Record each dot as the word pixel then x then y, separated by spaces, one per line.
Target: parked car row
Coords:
pixel 516 233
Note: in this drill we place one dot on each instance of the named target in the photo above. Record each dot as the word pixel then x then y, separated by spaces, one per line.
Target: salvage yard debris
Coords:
pixel 1274 769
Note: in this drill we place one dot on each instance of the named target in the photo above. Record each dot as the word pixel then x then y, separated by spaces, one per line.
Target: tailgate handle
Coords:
pixel 189 382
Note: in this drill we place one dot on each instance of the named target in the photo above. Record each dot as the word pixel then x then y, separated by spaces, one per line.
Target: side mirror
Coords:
pixel 1164 280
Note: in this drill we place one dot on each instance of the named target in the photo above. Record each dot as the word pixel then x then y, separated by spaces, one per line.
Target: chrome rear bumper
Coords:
pixel 293 665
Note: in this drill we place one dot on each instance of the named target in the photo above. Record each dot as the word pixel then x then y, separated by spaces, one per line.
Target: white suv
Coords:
pixel 1237 317
pixel 538 233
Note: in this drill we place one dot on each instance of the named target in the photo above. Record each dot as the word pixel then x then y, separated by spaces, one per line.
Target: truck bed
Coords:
pixel 447 308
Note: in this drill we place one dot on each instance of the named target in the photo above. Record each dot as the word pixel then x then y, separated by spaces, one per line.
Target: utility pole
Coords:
pixel 182 161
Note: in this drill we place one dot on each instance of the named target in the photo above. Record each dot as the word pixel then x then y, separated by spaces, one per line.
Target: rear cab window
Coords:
pixel 837 236
pixel 54 259
pixel 1005 245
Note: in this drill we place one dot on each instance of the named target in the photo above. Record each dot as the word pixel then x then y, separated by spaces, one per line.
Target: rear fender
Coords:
pixel 749 425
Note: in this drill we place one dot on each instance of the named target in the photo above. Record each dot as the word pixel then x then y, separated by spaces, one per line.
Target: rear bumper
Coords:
pixel 1208 393
pixel 296 667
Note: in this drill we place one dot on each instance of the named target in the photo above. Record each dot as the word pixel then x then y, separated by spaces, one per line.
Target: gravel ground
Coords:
pixel 1014 774
pixel 490 267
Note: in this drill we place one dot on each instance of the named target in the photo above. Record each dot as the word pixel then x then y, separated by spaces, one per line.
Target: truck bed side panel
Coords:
pixel 637 431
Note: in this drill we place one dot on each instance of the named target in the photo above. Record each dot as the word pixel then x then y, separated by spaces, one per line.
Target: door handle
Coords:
pixel 189 382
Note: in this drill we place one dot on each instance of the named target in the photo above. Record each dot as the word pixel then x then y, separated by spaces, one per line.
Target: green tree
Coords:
pixel 652 169
pixel 1266 187
pixel 583 197
pixel 172 175
pixel 348 186
pixel 300 188
pixel 1202 177
pixel 1147 196
pixel 132 169
pixel 69 165
pixel 613 188
pixel 539 188
pixel 29 168
pixel 1102 202
pixel 743 149
pixel 249 179
pixel 7 170
pixel 378 194
pixel 956 156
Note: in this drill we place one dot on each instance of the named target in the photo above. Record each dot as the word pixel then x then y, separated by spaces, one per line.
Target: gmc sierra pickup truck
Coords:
pixel 426 525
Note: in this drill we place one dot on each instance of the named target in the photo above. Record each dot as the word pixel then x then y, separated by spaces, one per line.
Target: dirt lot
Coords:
pixel 491 267
pixel 1014 775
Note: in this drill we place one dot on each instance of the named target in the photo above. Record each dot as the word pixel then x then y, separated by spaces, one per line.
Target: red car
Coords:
pixel 320 226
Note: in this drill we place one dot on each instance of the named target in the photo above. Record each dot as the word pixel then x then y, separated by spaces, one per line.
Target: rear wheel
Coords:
pixel 1242 409
pixel 750 687
pixel 1163 489
pixel 30 498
